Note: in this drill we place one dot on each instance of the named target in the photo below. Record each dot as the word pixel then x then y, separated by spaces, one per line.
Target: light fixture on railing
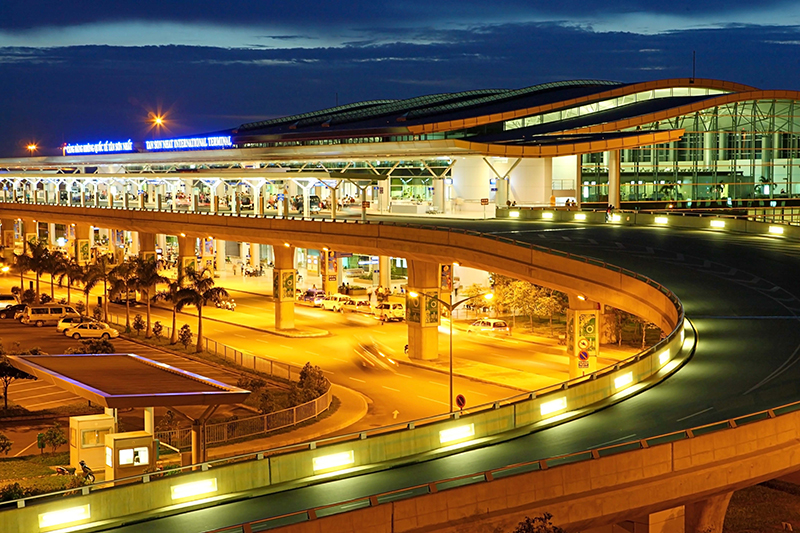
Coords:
pixel 333 461
pixel 195 488
pixel 456 433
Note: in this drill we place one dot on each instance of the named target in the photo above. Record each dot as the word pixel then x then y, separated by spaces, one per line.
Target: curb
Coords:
pixel 464 376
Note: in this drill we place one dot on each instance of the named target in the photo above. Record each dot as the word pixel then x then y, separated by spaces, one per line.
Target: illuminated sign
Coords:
pixel 190 144
pixel 99 147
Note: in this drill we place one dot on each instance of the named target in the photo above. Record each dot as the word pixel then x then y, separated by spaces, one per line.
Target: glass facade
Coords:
pixel 739 154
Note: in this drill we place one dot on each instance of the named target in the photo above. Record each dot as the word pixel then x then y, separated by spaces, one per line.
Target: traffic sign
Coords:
pixel 484 201
pixel 365 205
pixel 583 356
pixel 583 364
pixel 583 344
pixel 280 196
pixel 461 401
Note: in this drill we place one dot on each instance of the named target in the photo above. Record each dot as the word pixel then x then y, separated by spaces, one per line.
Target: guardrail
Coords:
pixel 438 435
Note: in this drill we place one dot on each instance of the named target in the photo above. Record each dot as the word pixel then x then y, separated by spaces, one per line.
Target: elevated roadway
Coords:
pixel 738 290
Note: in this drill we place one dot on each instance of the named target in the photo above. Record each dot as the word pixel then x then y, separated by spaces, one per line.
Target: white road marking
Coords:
pixel 403 376
pixel 478 393
pixel 359 380
pixel 626 437
pixel 328 371
pixel 389 388
pixel 337 359
pixel 285 347
pixel 242 336
pixel 697 413
pixel 25 449
pixel 434 401
pixel 440 384
pixel 313 353
pixel 260 340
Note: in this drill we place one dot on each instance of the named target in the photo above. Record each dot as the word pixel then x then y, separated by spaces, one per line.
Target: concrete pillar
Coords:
pixel 613 178
pixel 83 244
pixel 283 286
pixel 422 310
pixel 186 253
pixel 384 195
pixel 501 195
pixel 667 521
pixel 438 195
pixel 147 245
pixel 197 442
pixel 583 336
pixel 707 516
pixel 219 249
pixel 149 420
pixel 30 231
pixel 255 255
pixel 385 267
pixel 329 266
pixel 8 239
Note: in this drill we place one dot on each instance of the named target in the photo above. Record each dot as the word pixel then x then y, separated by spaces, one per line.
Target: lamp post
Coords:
pixel 450 306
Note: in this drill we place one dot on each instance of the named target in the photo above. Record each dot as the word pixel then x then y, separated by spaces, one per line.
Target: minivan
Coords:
pixel 389 311
pixel 47 314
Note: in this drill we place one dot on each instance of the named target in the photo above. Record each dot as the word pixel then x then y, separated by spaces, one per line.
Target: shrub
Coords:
pixel 97 312
pixel 158 330
pixel 5 444
pixel 15 491
pixel 55 436
pixel 29 296
pixel 265 402
pixel 185 335
pixel 80 307
pixel 138 324
pixel 97 346
pixel 45 298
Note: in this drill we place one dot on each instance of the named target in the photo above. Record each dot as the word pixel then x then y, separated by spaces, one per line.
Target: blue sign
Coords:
pixel 102 147
pixel 196 143
pixel 280 196
pixel 583 356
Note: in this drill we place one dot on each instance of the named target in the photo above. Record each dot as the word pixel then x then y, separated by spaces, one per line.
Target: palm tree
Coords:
pixel 147 278
pixel 171 295
pixel 96 273
pixel 39 260
pixel 123 280
pixel 23 264
pixel 73 271
pixel 198 291
pixel 53 264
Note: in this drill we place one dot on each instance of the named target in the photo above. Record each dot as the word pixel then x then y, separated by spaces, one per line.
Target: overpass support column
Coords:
pixel 255 255
pixel 329 267
pixel 583 335
pixel 30 230
pixel 147 245
pixel 613 177
pixel 667 521
pixel 283 286
pixel 422 310
pixel 82 244
pixel 219 250
pixel 8 239
pixel 707 516
pixel 186 253
pixel 385 267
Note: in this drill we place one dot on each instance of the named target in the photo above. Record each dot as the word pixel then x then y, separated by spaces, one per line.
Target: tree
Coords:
pixel 538 524
pixel 72 270
pixel 52 264
pixel 147 279
pixel 171 295
pixel 185 335
pixel 96 273
pixel 40 260
pixel 22 263
pixel 548 303
pixel 93 346
pixel 158 330
pixel 123 280
pixel 198 291
pixel 9 374
pixel 54 436
pixel 5 444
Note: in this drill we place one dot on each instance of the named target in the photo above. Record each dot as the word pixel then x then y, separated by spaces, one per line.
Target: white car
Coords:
pixel 356 306
pixel 389 311
pixel 92 330
pixel 334 302
pixel 71 321
pixel 490 326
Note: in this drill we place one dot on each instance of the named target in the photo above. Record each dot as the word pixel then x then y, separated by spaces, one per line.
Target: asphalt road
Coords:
pixel 739 291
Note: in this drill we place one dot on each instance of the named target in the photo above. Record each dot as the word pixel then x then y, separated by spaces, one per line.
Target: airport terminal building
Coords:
pixel 679 143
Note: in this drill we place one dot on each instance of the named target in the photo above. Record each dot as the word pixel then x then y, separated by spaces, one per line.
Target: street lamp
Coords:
pixel 32 148
pixel 450 307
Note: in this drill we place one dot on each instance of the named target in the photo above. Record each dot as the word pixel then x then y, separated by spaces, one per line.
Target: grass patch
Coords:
pixel 73 409
pixel 763 508
pixel 31 466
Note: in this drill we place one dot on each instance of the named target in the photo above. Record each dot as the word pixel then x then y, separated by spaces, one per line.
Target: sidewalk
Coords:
pixel 352 408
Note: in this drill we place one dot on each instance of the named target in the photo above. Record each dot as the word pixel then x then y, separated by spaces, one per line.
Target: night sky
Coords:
pixel 94 70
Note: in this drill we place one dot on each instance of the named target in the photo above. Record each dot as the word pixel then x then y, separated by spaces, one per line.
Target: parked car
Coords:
pixel 7 299
pixel 46 314
pixel 120 298
pixel 71 321
pixel 334 302
pixel 490 326
pixel 92 330
pixel 389 311
pixel 12 310
pixel 356 306
pixel 313 296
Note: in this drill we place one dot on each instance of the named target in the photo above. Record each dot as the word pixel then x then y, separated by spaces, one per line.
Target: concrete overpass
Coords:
pixel 587 490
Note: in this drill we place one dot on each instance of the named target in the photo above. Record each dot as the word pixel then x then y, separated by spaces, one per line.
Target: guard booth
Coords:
pixel 87 442
pixel 129 454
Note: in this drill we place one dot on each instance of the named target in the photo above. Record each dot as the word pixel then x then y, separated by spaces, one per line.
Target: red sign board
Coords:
pixel 484 201
pixel 461 401
pixel 364 205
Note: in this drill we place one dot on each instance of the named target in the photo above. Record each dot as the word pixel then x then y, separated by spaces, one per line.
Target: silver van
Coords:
pixel 47 314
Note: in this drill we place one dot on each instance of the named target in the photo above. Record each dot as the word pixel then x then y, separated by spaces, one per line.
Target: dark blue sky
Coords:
pixel 93 70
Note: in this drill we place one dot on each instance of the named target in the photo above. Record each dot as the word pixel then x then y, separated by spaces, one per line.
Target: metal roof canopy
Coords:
pixel 127 380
